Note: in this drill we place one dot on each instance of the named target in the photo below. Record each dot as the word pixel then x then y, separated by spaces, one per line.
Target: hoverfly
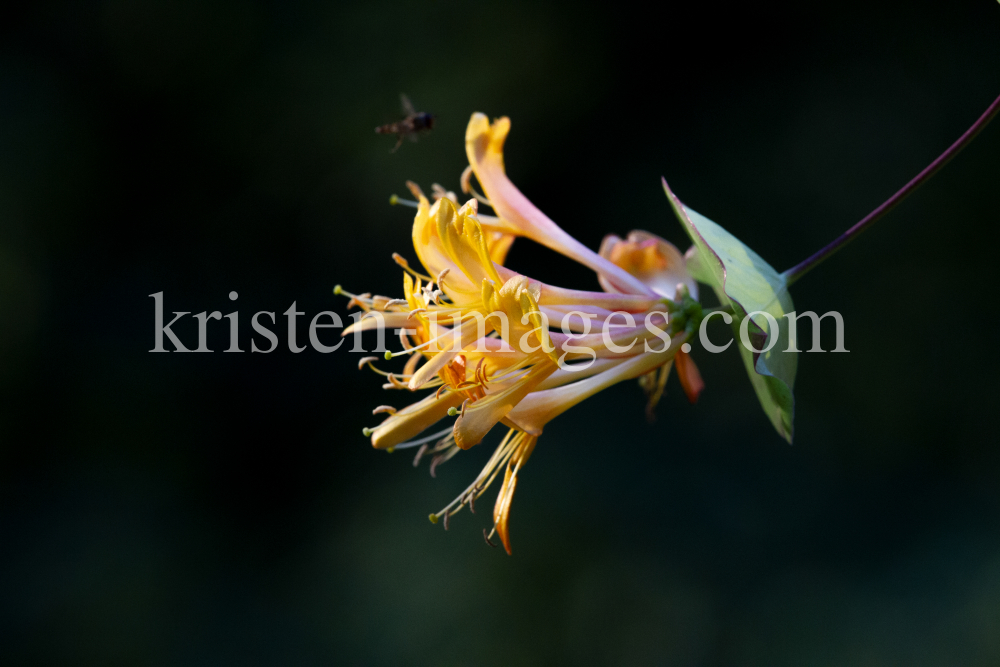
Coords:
pixel 408 127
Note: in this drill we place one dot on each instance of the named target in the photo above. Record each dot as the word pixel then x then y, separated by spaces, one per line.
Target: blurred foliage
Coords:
pixel 224 508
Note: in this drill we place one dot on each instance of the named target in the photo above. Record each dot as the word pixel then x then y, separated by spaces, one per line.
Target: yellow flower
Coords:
pixel 497 347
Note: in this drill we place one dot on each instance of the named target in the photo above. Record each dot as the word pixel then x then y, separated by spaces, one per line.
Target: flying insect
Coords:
pixel 414 123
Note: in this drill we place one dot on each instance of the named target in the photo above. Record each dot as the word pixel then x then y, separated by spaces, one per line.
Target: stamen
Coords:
pixel 387 374
pixel 389 354
pixel 440 278
pixel 404 339
pixel 442 458
pixel 425 439
pixel 486 537
pixel 466 181
pixel 384 408
pixel 396 383
pixel 438 192
pixel 399 259
pixel 420 454
pixel 415 190
pixel 447 515
pixel 501 455
pixel 361 300
pixel 379 301
pixel 480 374
pixel 396 302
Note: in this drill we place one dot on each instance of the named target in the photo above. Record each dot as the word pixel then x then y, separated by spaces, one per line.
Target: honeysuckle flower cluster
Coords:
pixel 492 347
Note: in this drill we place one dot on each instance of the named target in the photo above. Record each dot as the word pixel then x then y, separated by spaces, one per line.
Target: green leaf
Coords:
pixel 746 283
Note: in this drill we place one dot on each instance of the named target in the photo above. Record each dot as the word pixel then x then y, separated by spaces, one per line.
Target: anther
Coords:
pixel 415 189
pixel 464 180
pixel 464 403
pixel 396 302
pixel 440 277
pixel 365 360
pixel 472 501
pixel 384 408
pixel 399 259
pixel 447 515
pixel 420 454
pixel 486 537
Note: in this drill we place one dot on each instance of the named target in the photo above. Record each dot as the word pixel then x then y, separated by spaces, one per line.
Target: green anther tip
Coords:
pixel 337 289
pixel 388 355
pixel 366 431
pixel 452 411
pixel 390 450
pixel 433 518
pixel 393 200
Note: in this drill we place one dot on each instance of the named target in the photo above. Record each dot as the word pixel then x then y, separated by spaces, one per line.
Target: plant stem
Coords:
pixel 799 270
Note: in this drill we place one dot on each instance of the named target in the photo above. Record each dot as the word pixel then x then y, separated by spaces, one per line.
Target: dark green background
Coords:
pixel 224 509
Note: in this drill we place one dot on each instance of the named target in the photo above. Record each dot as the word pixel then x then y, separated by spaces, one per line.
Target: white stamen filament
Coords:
pixel 428 438
pixel 501 455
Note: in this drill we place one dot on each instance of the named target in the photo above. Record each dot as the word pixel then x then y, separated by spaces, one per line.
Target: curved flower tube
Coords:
pixel 484 148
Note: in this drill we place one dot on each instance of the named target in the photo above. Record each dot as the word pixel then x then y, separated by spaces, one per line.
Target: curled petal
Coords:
pixel 376 320
pixel 484 148
pixel 501 510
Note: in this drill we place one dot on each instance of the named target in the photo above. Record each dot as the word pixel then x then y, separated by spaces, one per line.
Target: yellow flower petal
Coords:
pixel 535 411
pixel 482 415
pixel 413 419
pixel 501 510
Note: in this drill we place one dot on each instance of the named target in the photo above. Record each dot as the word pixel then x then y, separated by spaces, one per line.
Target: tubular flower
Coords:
pixel 493 346
pixel 662 268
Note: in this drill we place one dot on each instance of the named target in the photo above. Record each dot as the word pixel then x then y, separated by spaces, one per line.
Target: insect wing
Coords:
pixel 407 105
